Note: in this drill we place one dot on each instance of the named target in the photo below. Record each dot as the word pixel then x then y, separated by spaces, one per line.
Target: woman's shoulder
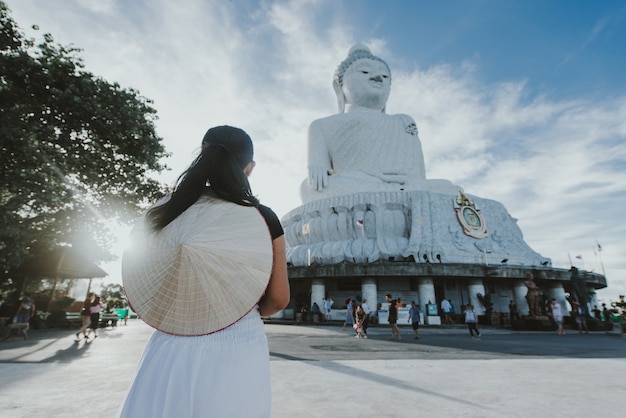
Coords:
pixel 268 214
pixel 272 221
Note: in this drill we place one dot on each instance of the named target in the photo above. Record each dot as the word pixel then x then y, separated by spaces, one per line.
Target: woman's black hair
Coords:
pixel 226 151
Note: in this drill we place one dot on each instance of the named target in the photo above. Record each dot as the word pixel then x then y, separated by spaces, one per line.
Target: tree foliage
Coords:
pixel 77 151
pixel 113 295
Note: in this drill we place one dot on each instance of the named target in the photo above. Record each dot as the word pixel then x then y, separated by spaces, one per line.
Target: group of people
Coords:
pixel 578 312
pixel 414 317
pixel 357 316
pixel 90 316
pixel 471 319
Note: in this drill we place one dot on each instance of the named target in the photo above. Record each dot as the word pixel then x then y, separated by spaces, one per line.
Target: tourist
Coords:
pixel 349 321
pixel 581 317
pixel 359 321
pixel 446 307
pixel 597 313
pixel 95 308
pixel 315 309
pixel 85 316
pixel 557 316
pixel 26 310
pixel 452 312
pixel 393 317
pixel 366 322
pixel 328 308
pixel 513 314
pixel 471 319
pixel 204 365
pixel 414 318
pixel 606 314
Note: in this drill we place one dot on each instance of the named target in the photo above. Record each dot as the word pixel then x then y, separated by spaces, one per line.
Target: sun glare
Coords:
pixel 122 238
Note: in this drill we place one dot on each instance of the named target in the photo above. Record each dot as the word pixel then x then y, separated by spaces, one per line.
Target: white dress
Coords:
pixel 225 374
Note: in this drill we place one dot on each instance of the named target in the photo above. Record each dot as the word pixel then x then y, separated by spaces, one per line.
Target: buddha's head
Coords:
pixel 362 79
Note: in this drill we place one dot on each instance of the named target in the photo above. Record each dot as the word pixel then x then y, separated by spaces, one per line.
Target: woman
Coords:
pixel 471 319
pixel 225 372
pixel 557 315
pixel 349 314
pixel 85 316
pixel 94 313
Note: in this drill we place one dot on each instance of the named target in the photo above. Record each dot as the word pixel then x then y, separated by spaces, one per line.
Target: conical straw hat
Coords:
pixel 202 272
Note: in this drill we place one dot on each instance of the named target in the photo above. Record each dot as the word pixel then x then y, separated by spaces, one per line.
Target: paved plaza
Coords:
pixel 323 371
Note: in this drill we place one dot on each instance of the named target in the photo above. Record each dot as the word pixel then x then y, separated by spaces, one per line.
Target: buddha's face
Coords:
pixel 367 83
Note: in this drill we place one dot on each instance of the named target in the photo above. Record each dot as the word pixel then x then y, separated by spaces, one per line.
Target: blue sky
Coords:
pixel 520 102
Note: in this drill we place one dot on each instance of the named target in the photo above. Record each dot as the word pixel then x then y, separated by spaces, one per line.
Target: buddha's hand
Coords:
pixel 318 177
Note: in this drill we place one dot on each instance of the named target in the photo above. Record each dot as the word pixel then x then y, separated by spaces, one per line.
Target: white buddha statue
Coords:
pixel 363 149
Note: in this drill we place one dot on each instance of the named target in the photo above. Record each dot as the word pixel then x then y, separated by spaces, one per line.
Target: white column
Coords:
pixel 474 287
pixel 519 296
pixel 318 292
pixel 557 292
pixel 369 290
pixel 426 293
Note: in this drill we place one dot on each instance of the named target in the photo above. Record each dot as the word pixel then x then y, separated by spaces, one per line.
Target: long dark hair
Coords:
pixel 226 151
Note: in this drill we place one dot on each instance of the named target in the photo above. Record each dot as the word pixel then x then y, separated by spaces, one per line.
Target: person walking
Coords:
pixel 393 317
pixel 85 316
pixel 414 318
pixel 349 314
pixel 471 319
pixel 557 315
pixel 26 310
pixel 94 314
pixel 581 317
pixel 328 309
pixel 208 264
pixel 446 307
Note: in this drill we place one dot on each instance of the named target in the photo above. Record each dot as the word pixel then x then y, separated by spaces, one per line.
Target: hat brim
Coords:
pixel 202 272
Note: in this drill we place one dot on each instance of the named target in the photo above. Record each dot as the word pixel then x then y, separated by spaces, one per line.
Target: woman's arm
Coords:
pixel 276 295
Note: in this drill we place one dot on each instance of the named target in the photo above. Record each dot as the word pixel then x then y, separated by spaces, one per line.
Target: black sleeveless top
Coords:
pixel 276 229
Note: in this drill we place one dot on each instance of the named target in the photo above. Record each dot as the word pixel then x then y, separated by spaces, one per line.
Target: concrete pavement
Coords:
pixel 322 371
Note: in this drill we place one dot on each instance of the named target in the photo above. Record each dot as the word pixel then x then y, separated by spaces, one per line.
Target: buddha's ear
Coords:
pixel 341 98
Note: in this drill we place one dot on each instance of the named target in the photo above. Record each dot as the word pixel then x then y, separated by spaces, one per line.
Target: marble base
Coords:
pixel 420 226
pixel 433 320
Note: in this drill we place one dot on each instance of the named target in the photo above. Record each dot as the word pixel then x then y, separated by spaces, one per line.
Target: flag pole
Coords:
pixel 600 255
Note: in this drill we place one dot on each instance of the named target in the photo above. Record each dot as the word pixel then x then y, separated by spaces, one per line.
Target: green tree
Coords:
pixel 78 152
pixel 113 296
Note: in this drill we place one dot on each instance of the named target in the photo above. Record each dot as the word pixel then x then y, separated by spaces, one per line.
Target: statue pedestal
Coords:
pixel 433 320
pixel 538 323
pixel 419 226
